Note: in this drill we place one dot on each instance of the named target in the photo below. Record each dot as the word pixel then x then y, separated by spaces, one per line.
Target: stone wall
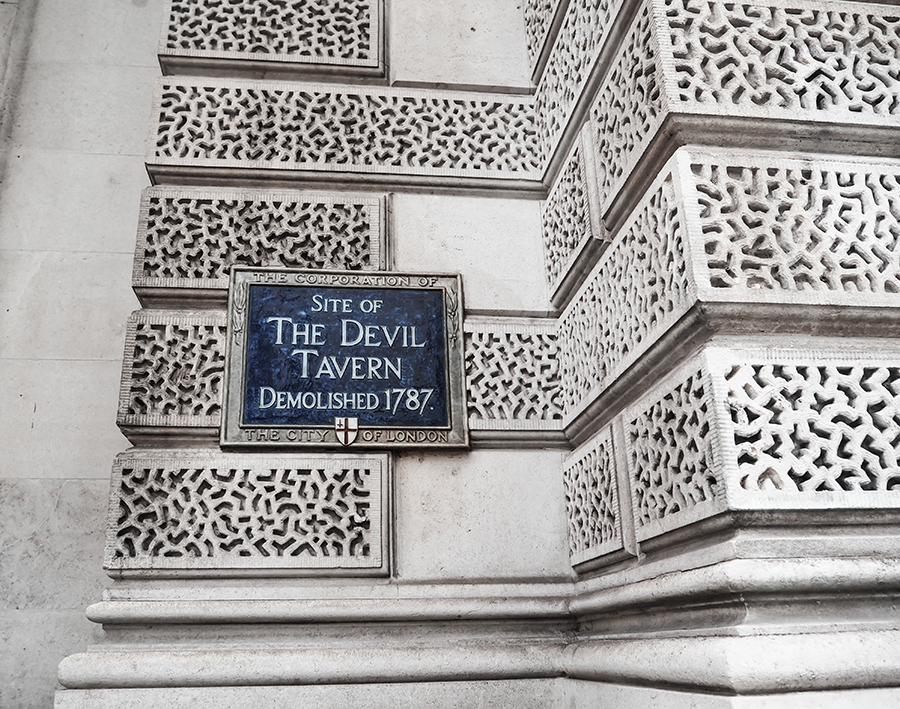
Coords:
pixel 77 92
pixel 677 228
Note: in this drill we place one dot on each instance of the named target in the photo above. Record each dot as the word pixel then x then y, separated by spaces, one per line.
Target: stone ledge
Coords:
pixel 454 660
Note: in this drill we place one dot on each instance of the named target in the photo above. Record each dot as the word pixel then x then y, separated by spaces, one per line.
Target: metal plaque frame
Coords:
pixel 342 432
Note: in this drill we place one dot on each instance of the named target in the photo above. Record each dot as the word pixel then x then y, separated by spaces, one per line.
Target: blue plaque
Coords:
pixel 336 359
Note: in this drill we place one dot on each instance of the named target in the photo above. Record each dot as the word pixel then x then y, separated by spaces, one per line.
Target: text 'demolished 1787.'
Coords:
pixel 336 358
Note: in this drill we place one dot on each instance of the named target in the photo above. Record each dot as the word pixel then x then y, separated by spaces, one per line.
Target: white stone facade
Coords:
pixel 677 224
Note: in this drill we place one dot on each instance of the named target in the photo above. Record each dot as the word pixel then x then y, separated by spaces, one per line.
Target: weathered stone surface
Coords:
pixel 455 521
pixel 465 44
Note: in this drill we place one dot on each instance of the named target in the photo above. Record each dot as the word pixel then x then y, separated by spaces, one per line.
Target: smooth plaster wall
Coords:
pixel 458 43
pixel 80 79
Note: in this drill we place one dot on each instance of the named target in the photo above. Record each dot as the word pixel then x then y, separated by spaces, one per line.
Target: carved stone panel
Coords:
pixel 292 130
pixel 592 500
pixel 581 37
pixel 640 286
pixel 675 473
pixel 779 73
pixel 189 238
pixel 512 376
pixel 203 513
pixel 273 36
pixel 571 226
pixel 778 236
pixel 539 20
pixel 174 369
pixel 795 423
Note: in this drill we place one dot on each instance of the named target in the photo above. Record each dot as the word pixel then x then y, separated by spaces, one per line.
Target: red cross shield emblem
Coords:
pixel 346 428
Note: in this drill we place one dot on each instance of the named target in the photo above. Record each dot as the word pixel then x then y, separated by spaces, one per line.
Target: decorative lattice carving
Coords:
pixel 580 38
pixel 816 428
pixel 628 109
pixel 670 461
pixel 799 226
pixel 639 287
pixel 174 364
pixel 338 32
pixel 565 218
pixel 242 513
pixel 538 19
pixel 592 505
pixel 290 126
pixel 175 360
pixel 191 238
pixel 786 56
pixel 512 373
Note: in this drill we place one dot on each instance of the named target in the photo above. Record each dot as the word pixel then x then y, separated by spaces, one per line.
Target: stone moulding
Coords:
pixel 174 367
pixel 512 378
pixel 202 513
pixel 783 73
pixel 288 132
pixel 188 238
pixel 750 237
pixel 572 231
pixel 271 38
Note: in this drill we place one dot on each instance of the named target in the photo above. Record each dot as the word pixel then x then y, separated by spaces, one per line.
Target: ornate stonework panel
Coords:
pixel 570 219
pixel 578 43
pixel 729 227
pixel 173 369
pixel 801 225
pixel 640 286
pixel 830 61
pixel 512 374
pixel 716 68
pixel 539 16
pixel 290 127
pixel 629 108
pixel 592 500
pixel 785 422
pixel 565 219
pixel 671 467
pixel 345 34
pixel 190 238
pixel 815 427
pixel 196 511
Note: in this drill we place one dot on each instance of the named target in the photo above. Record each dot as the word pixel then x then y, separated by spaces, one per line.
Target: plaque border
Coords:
pixel 235 435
